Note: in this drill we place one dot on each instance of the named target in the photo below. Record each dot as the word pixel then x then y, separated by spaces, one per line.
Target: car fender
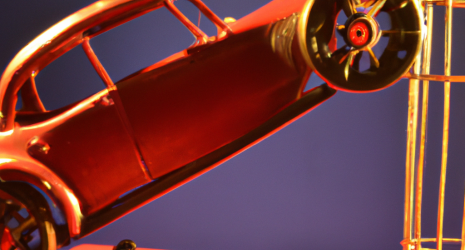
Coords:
pixel 39 175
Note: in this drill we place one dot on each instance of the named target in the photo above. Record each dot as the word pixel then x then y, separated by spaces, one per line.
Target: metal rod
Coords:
pixel 462 247
pixel 455 3
pixel 439 78
pixel 211 16
pixel 448 240
pixel 412 120
pixel 201 37
pixel 424 118
pixel 445 138
pixel 96 64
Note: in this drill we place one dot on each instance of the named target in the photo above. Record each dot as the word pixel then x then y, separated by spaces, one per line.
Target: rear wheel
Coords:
pixel 25 223
pixel 371 55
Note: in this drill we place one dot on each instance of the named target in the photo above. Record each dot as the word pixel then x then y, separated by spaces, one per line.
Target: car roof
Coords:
pixel 65 35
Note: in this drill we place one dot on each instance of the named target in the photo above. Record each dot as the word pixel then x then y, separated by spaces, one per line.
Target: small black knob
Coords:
pixel 125 245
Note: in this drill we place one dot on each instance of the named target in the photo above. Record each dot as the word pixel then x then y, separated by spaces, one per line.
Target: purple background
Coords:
pixel 331 180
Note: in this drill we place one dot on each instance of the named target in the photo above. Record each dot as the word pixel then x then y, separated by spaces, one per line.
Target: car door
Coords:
pixel 86 143
pixel 210 96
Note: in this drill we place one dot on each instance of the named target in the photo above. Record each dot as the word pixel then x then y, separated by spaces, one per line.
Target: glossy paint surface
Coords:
pixel 108 123
pixel 337 171
pixel 85 140
pixel 241 87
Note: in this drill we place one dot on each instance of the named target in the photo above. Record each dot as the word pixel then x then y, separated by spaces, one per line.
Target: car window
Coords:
pixel 122 51
pixel 140 43
pixel 66 80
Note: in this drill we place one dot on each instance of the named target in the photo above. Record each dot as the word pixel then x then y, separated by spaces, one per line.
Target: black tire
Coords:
pixel 25 222
pixel 340 67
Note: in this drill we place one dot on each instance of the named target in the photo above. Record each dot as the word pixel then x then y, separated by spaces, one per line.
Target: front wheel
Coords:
pixel 25 223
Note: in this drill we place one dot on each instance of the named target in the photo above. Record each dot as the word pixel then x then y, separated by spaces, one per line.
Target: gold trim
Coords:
pixel 437 78
pixel 302 32
pixel 51 236
pixel 445 136
pixel 424 119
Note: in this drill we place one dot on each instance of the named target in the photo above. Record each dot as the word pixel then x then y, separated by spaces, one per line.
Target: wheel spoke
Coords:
pixel 357 58
pixel 376 8
pixel 341 30
pixel 349 60
pixel 353 64
pixel 374 61
pixel 385 33
pixel 22 225
pixel 27 224
pixel 17 232
pixel 367 3
pixel 341 53
pixel 21 246
pixel 347 66
pixel 349 7
pixel 18 217
pixel 344 57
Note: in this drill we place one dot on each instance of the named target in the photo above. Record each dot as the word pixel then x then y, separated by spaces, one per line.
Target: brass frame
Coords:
pixel 414 172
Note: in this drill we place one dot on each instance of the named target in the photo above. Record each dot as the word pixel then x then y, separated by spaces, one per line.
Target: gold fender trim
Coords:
pixel 302 32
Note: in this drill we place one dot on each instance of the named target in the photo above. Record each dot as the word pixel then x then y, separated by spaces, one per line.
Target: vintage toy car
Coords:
pixel 95 160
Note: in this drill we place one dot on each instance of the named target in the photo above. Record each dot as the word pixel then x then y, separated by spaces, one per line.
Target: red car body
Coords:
pixel 160 127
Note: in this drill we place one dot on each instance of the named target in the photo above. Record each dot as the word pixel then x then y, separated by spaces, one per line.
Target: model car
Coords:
pixel 70 171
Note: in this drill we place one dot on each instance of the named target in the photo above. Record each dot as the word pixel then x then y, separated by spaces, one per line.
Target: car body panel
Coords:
pixel 199 103
pixel 94 138
pixel 60 38
pixel 169 182
pixel 177 118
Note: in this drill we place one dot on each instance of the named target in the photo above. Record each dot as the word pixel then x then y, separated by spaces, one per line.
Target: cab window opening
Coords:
pixel 68 79
pixel 71 77
pixel 141 42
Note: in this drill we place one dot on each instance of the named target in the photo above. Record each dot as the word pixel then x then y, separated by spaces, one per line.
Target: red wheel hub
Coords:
pixel 359 34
